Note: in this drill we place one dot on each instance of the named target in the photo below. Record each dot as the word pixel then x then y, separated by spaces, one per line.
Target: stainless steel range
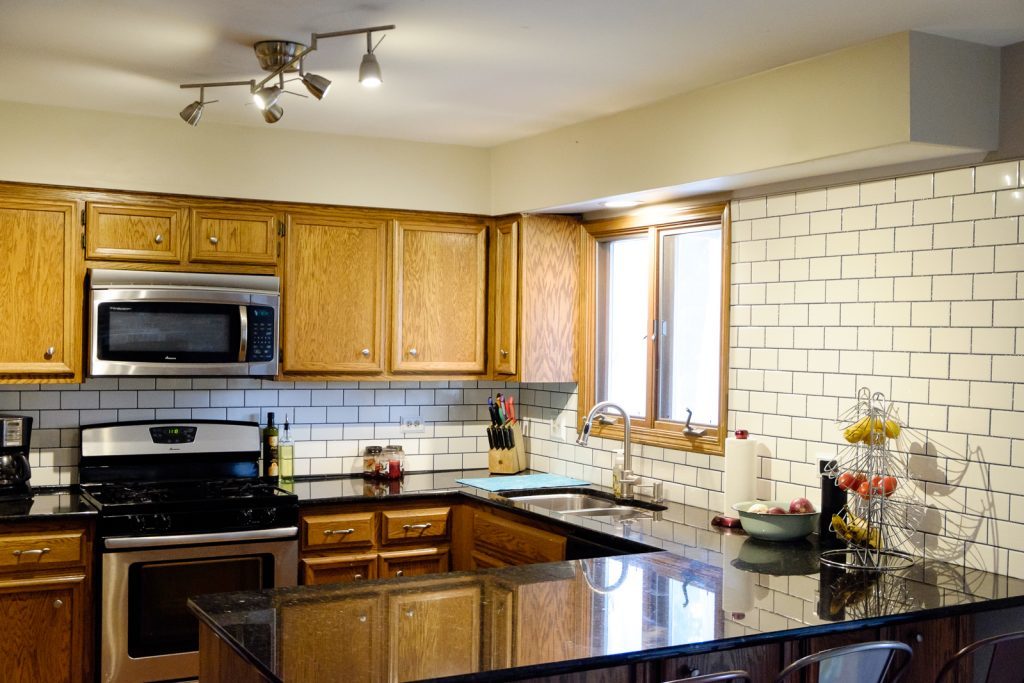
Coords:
pixel 182 512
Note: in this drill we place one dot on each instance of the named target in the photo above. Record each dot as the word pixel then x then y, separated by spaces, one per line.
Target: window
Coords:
pixel 655 326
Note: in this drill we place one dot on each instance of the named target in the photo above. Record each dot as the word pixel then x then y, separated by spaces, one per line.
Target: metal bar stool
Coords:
pixel 1004 664
pixel 721 677
pixel 862 662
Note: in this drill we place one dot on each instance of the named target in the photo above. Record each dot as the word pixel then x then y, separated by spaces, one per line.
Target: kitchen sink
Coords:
pixel 616 513
pixel 564 502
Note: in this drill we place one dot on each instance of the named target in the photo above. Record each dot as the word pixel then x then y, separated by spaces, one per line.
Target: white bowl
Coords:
pixel 787 527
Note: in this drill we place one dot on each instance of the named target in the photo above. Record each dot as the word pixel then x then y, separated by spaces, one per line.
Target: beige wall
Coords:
pixel 96 149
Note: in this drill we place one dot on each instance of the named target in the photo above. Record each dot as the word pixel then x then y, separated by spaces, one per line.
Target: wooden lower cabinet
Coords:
pixel 414 562
pixel 338 568
pixel 934 642
pixel 45 602
pixel 442 625
pixel 762 662
pixel 311 650
pixel 498 541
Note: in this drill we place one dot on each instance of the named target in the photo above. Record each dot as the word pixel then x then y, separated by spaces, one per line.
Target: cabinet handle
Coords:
pixel 159 239
pixel 57 604
pixel 37 551
pixel 338 532
pixel 366 353
pixel 690 673
pixel 504 353
pixel 413 352
pixel 401 573
pixel 214 240
pixel 49 352
pixel 918 637
pixel 357 577
pixel 410 527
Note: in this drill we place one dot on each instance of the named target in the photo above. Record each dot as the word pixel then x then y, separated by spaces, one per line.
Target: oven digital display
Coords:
pixel 173 434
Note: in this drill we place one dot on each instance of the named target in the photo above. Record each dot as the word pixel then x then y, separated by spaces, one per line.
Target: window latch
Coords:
pixel 690 431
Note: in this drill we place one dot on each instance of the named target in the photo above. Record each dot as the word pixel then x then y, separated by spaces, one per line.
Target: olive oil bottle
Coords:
pixel 270 448
pixel 286 458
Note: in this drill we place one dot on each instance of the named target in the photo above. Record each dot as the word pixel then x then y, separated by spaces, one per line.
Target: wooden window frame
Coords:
pixel 662 433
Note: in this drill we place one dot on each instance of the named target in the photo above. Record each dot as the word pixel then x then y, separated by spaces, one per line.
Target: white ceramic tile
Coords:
pixel 751 208
pixel 996 176
pixel 994 285
pixel 938 210
pixel 971 314
pixel 811 200
pixel 996 231
pixel 795 224
pixel 892 363
pixel 826 268
pixel 898 263
pixel 974 260
pixel 750 251
pixel 809 246
pixel 858 266
pixel 913 238
pixel 778 205
pixel 1007 424
pixel 1010 203
pixel 997 395
pixel 929 314
pixel 959 234
pixel 858 218
pixel 841 290
pixel 894 215
pixel 952 287
pixel 837 244
pixel 778 249
pixel 794 270
pixel 822 314
pixel 951 340
pixel 878 192
pixel 912 289
pixel 1009 258
pixel 764 228
pixel 934 262
pixel 826 221
pixel 895 314
pixel 876 289
pixel 810 292
pixel 843 196
pixel 958 181
pixel 780 292
pixel 1008 314
pixel 974 206
pixel 970 366
pixel 874 338
pixel 914 187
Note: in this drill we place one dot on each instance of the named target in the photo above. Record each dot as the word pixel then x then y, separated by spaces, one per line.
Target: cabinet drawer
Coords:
pixel 37 550
pixel 321 532
pixel 514 543
pixel 339 568
pixel 411 525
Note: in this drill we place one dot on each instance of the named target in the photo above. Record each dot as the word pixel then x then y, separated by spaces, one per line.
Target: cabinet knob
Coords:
pixel 409 613
pixel 918 637
pixel 504 353
pixel 214 240
pixel 399 573
pixel 362 618
pixel 413 352
pixel 366 353
pixel 159 239
pixel 357 577
pixel 49 353
pixel 57 604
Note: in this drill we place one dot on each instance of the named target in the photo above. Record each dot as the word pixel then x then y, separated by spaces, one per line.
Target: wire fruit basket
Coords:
pixel 882 512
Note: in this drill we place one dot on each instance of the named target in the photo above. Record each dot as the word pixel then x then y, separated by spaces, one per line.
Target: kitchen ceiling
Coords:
pixel 470 72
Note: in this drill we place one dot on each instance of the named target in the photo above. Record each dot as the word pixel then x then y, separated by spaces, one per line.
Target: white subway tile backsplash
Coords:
pixel 946 235
pixel 843 196
pixel 1010 203
pixel 974 260
pixel 958 181
pixel 996 176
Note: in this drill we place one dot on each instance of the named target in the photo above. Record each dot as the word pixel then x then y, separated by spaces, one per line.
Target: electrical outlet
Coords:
pixel 411 424
pixel 557 429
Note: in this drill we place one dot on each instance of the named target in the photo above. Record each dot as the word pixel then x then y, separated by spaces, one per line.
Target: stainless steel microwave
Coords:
pixel 150 323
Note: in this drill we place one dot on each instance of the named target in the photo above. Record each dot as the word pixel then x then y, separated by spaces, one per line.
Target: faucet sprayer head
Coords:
pixel 584 434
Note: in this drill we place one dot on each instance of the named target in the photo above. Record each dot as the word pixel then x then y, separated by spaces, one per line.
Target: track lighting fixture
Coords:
pixel 280 57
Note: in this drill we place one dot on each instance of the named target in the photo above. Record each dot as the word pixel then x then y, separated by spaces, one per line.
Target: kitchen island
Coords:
pixel 710 601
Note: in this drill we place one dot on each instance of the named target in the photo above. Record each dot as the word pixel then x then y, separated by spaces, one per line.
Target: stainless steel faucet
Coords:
pixel 629 480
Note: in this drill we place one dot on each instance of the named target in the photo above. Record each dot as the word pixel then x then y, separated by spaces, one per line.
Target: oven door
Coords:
pixel 147 632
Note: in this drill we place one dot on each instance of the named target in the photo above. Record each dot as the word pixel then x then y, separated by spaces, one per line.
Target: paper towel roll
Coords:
pixel 740 480
pixel 737 585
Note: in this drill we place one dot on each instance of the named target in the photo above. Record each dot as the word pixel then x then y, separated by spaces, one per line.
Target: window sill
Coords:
pixel 712 443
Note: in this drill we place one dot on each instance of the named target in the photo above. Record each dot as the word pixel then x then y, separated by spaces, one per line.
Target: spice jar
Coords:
pixel 370 456
pixel 394 462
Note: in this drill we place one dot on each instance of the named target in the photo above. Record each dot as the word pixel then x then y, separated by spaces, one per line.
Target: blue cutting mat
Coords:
pixel 522 482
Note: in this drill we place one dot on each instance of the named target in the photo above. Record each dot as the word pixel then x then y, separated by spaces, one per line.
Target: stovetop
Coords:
pixel 119 496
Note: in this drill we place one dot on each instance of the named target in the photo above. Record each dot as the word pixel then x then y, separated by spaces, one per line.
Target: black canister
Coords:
pixel 833 500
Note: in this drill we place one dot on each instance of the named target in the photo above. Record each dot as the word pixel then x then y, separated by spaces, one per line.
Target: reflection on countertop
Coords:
pixel 46 503
pixel 713 589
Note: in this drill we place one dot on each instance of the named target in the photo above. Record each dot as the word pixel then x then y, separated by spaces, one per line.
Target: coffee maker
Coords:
pixel 15 472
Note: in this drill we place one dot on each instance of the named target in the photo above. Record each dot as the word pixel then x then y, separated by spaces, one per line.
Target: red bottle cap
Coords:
pixel 742 433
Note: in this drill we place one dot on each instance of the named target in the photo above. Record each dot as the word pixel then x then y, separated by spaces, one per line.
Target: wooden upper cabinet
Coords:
pixel 134 232
pixel 439 315
pixel 335 267
pixel 40 289
pixel 506 296
pixel 536 298
pixel 234 235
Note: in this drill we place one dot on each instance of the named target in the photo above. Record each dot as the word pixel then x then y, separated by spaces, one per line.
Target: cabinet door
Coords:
pixel 40 288
pixel 442 626
pixel 42 638
pixel 133 232
pixel 934 642
pixel 439 313
pixel 416 562
pixel 763 662
pixel 334 274
pixel 338 568
pixel 234 236
pixel 343 642
pixel 514 543
pixel 506 297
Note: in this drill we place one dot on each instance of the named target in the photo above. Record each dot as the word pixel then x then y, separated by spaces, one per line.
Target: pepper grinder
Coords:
pixel 833 500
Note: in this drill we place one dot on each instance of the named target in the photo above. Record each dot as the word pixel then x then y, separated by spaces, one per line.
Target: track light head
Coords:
pixel 266 97
pixel 316 85
pixel 192 113
pixel 369 71
pixel 273 113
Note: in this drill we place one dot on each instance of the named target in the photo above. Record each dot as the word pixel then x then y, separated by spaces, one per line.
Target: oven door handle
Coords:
pixel 200 539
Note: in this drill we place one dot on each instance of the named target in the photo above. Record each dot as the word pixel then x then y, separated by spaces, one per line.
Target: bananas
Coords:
pixel 856 531
pixel 871 430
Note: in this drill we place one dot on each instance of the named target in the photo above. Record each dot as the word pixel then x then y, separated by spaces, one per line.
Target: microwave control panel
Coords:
pixel 261 334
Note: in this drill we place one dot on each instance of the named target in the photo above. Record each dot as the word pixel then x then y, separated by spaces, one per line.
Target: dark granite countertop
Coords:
pixel 711 591
pixel 46 503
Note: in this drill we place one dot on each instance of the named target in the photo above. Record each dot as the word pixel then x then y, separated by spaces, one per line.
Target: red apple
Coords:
pixel 776 511
pixel 800 505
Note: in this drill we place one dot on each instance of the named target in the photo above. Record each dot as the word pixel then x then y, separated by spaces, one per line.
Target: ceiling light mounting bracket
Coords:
pixel 282 56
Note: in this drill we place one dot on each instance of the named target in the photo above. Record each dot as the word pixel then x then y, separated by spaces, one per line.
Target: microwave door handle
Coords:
pixel 243 332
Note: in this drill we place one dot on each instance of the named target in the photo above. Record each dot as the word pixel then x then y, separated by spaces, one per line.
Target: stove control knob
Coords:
pixel 269 515
pixel 154 522
pixel 246 516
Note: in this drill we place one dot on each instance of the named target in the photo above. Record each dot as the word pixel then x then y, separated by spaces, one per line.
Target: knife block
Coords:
pixel 508 460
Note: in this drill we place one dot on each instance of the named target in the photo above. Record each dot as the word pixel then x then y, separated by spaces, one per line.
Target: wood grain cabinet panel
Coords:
pixel 338 568
pixel 39 630
pixel 134 232
pixel 442 625
pixel 416 562
pixel 342 643
pixel 339 531
pixel 439 310
pixel 41 289
pixel 934 642
pixel 19 552
pixel 498 539
pixel 237 235
pixel 334 294
pixel 427 524
pixel 536 298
